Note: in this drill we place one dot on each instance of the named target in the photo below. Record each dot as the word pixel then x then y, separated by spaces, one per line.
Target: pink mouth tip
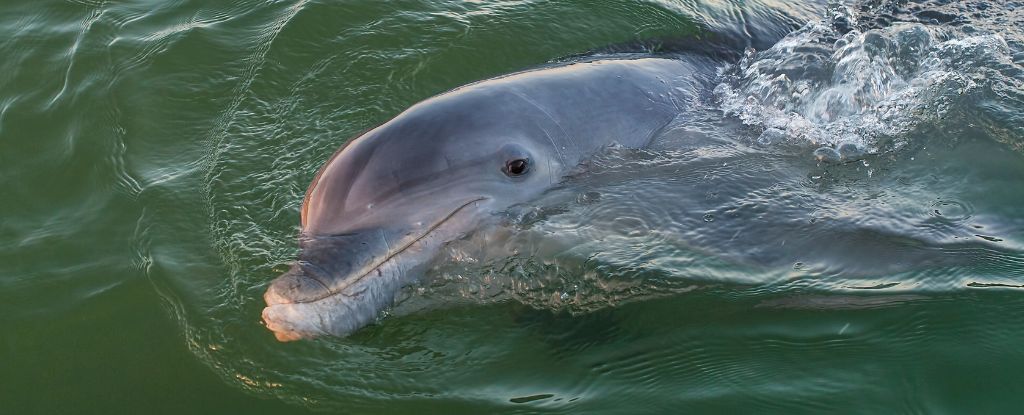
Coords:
pixel 281 332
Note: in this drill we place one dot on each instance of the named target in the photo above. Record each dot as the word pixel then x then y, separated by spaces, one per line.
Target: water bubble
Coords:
pixel 827 155
pixel 952 210
pixel 771 136
pixel 850 151
pixel 587 198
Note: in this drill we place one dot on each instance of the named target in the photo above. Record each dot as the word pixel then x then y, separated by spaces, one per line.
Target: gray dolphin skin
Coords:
pixel 386 203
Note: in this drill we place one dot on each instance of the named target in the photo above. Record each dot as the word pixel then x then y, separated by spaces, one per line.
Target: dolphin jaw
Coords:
pixel 300 306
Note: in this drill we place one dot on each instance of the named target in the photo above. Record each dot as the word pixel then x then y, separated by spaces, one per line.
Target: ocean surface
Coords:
pixel 836 225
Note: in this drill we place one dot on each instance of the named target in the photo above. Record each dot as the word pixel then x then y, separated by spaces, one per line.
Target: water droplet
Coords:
pixel 587 198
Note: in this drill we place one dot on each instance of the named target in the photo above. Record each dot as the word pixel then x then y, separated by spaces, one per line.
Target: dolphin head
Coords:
pixel 385 204
pixel 382 207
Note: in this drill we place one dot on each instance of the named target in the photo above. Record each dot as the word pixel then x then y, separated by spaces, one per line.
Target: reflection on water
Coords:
pixel 836 223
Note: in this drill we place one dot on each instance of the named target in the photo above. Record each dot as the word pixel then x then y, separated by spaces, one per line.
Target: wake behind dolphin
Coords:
pixel 384 204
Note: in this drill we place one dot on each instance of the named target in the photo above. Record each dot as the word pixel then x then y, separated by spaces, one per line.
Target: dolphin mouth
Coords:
pixel 293 316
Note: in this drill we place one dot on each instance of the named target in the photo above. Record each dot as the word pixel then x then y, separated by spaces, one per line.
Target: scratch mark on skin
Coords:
pixel 386 243
pixel 398 266
pixel 557 124
pixel 314 276
pixel 323 324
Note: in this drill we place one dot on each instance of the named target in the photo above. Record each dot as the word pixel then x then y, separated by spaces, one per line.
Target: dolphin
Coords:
pixel 386 203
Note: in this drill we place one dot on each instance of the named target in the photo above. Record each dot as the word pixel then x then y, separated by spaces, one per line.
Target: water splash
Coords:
pixel 856 90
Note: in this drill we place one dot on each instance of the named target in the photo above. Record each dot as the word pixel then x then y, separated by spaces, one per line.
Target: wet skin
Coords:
pixel 381 208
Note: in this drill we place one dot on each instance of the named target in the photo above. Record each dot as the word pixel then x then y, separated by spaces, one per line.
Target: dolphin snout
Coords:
pixel 295 286
pixel 300 305
pixel 281 319
pixel 288 298
pixel 339 314
pixel 342 282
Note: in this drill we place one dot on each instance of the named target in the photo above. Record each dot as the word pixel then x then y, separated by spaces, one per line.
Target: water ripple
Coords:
pixel 725 268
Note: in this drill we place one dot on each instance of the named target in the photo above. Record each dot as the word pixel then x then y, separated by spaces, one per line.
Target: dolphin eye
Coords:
pixel 517 167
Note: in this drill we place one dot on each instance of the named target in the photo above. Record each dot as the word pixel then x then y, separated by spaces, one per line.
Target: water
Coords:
pixel 835 226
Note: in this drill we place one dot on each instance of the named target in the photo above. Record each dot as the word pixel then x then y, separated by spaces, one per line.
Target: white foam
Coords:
pixel 869 88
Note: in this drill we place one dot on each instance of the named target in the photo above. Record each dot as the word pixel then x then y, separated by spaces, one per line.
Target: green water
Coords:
pixel 153 157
